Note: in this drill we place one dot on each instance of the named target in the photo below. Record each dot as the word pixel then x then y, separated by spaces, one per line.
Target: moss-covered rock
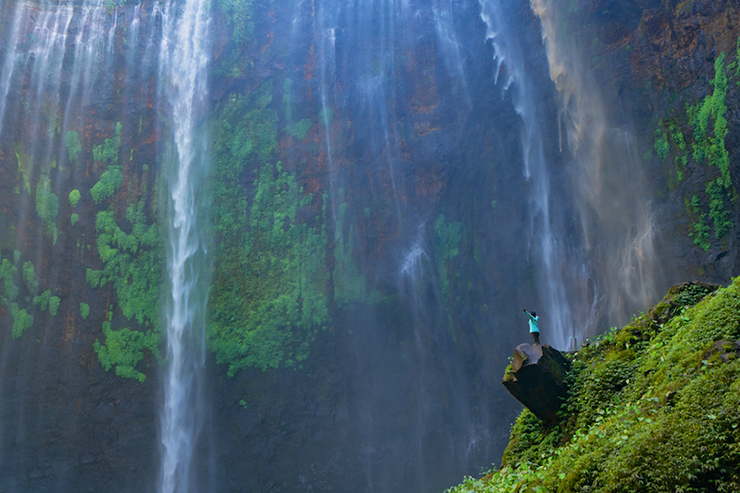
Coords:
pixel 654 406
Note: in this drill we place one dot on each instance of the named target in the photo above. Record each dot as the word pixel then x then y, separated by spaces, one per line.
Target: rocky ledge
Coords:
pixel 536 378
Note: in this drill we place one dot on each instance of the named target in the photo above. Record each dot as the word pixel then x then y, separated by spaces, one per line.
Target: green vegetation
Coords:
pixel 72 143
pixel 661 146
pixel 448 236
pixel 124 349
pixel 654 406
pixel 300 129
pixel 45 300
pixel 712 146
pixel 29 277
pixel 73 219
pixel 7 274
pixel 74 197
pixel 708 126
pixel 269 295
pixel 238 15
pixel 109 150
pixel 22 321
pixel 112 178
pixel 132 262
pixel 700 232
pixel 84 311
pixel 47 206
pixel 719 212
pixel 109 183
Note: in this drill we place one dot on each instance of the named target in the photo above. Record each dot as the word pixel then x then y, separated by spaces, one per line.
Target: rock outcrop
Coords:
pixel 537 379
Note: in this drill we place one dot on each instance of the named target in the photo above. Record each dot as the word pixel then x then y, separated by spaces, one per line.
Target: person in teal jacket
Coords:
pixel 534 328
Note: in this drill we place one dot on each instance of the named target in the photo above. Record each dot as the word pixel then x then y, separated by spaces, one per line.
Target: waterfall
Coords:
pixel 545 237
pixel 613 200
pixel 184 59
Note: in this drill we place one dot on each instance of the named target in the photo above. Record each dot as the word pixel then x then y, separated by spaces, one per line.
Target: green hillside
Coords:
pixel 652 407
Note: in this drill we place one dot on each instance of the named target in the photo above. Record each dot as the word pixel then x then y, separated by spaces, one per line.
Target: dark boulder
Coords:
pixel 537 379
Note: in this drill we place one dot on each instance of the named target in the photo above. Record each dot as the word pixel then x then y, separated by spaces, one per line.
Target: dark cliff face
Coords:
pixel 655 61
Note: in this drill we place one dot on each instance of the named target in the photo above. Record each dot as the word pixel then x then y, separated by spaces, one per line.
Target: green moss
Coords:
pixel 47 206
pixel 268 297
pixel 300 129
pixel 54 303
pixel 72 142
pixel 655 407
pixel 132 261
pixel 109 150
pixel 132 254
pixel 7 275
pixel 29 277
pixel 109 183
pixel 74 197
pixel 22 321
pixel 124 349
pixel 238 15
pixel 42 300
pixel 661 145
pixel 73 219
pixel 719 211
pixel 700 232
pixel 712 146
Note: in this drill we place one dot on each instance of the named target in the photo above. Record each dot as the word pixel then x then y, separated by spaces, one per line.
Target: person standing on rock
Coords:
pixel 534 328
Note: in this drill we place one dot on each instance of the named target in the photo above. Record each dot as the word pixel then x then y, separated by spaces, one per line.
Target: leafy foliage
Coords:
pixel 654 406
pixel 700 234
pixel 7 274
pixel 29 277
pixel 108 151
pixel 74 197
pixel 269 295
pixel 712 146
pixel 84 311
pixel 661 145
pixel 300 129
pixel 124 349
pixel 47 206
pixel 22 320
pixel 132 262
pixel 708 124
pixel 72 142
pixel 109 183
pixel 269 291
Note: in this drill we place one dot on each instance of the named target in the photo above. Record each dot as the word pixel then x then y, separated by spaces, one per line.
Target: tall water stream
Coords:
pixel 184 59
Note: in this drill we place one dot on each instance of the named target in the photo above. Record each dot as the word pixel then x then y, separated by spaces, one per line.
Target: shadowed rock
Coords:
pixel 537 380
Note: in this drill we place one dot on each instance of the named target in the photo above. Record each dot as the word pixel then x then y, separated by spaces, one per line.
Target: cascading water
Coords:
pixel 616 220
pixel 184 59
pixel 545 234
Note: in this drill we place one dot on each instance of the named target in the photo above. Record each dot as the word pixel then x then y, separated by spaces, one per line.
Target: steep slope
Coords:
pixel 654 406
